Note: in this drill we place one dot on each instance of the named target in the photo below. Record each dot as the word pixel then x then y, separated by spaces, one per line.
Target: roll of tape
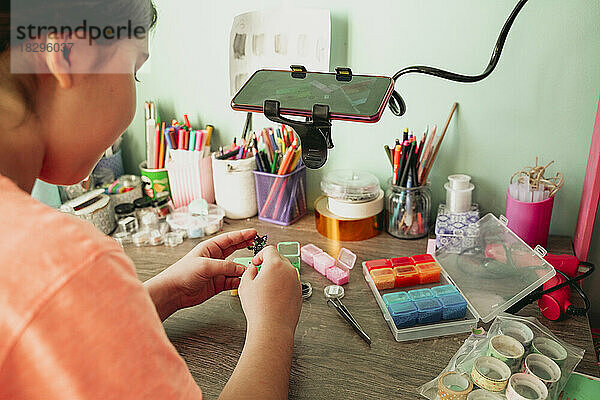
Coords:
pixel 490 374
pixel 519 331
pixel 454 386
pixel 526 387
pixel 345 229
pixel 543 368
pixel 356 210
pixel 508 350
pixel 550 348
pixel 482 394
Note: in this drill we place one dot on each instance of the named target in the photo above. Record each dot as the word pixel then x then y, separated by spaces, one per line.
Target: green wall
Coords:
pixel 541 100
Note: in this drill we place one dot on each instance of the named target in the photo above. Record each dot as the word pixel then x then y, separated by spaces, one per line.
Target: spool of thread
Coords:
pixel 459 193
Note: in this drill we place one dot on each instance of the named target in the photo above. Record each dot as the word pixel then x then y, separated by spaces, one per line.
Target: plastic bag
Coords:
pixel 505 324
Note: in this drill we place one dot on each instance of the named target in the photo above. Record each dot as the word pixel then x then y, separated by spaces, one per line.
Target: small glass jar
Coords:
pixel 142 205
pixel 407 211
pixel 125 210
pixel 162 207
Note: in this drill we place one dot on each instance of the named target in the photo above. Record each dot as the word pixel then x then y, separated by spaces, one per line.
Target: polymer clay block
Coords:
pixel 308 253
pixel 374 264
pixel 384 278
pixel 422 258
pixel 397 297
pixel 419 294
pixel 323 261
pixel 444 290
pixel 428 273
pixel 406 276
pixel 403 314
pixel 429 310
pixel 401 261
pixel 453 306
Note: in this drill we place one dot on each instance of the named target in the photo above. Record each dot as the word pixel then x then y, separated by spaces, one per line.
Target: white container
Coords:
pixel 235 190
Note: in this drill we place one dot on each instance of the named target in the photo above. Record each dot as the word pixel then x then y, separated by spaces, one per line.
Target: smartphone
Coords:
pixel 361 99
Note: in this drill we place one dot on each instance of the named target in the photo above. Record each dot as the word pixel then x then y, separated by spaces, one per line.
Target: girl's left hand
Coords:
pixel 200 274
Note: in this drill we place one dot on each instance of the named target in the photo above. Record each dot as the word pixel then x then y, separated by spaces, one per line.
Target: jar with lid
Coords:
pixel 125 210
pixel 162 207
pixel 408 211
pixel 142 205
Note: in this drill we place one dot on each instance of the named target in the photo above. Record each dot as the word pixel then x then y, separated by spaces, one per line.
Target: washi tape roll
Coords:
pixel 507 349
pixel 490 374
pixel 519 331
pixel 526 387
pixel 345 229
pixel 347 209
pixel 543 368
pixel 482 394
pixel 550 349
pixel 454 386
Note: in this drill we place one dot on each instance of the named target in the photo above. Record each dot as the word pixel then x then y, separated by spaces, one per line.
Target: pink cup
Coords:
pixel 530 221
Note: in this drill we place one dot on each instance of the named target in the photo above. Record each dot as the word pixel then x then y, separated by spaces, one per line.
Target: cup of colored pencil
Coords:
pixel 280 177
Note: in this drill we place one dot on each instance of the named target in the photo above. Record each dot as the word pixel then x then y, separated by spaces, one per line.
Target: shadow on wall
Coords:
pixel 338 55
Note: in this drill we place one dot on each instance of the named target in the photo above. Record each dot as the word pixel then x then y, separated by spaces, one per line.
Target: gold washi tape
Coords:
pixel 345 229
pixel 454 386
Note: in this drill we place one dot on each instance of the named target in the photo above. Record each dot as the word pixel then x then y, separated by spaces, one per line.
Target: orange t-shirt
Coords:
pixel 75 322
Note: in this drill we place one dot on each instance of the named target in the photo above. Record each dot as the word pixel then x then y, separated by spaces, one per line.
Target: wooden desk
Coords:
pixel 330 360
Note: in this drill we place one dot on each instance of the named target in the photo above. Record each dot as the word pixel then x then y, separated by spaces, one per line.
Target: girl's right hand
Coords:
pixel 271 299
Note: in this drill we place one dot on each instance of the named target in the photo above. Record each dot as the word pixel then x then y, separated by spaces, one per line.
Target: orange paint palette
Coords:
pixel 428 273
pixel 384 278
pixel 406 276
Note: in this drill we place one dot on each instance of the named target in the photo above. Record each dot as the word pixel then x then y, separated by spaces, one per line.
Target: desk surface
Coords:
pixel 330 360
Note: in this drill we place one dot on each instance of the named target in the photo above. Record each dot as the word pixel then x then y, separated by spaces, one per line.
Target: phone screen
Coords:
pixel 362 98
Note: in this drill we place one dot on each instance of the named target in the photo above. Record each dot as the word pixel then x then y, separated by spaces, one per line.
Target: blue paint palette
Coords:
pixel 429 310
pixel 397 297
pixel 444 290
pixel 404 314
pixel 454 306
pixel 419 294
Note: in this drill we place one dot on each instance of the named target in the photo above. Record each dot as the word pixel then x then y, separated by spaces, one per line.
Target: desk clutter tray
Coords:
pixel 448 293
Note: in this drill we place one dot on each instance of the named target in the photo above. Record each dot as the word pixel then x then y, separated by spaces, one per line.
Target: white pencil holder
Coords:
pixel 235 191
pixel 190 177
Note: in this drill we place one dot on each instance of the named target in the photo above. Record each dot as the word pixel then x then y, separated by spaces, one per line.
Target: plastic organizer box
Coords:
pixel 490 277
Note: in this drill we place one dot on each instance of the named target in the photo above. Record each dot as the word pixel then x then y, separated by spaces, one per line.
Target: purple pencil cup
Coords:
pixel 530 221
pixel 281 199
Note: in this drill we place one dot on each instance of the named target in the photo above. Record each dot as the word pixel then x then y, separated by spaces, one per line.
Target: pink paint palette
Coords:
pixel 308 253
pixel 337 271
pixel 322 262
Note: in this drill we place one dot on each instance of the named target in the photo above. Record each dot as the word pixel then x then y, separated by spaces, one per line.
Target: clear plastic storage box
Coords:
pixel 494 274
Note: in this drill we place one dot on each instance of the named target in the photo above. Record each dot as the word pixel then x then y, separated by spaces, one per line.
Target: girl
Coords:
pixel 75 322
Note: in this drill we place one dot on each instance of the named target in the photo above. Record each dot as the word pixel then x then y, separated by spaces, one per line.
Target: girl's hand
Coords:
pixel 200 274
pixel 271 298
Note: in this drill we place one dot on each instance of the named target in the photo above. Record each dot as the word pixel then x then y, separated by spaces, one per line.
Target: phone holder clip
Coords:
pixel 314 133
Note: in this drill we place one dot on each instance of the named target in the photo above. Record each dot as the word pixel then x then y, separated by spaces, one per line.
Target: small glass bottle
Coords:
pixel 407 211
